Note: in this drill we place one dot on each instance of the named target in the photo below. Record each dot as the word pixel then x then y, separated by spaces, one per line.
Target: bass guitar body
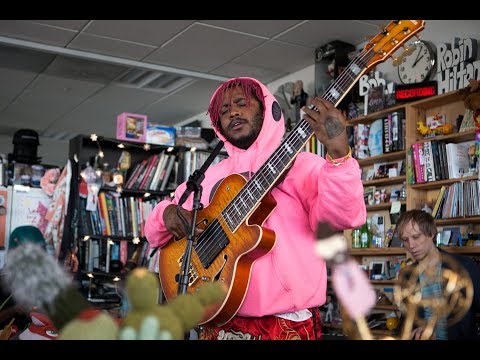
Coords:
pixel 220 254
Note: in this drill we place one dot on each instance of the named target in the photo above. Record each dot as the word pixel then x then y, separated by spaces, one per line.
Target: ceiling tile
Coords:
pixel 263 74
pixel 267 28
pixel 6 132
pixel 315 33
pixel 68 24
pixel 75 68
pixel 111 47
pixel 99 113
pixel 23 59
pixel 39 105
pixel 17 81
pixel 181 105
pixel 36 32
pixel 198 48
pixel 279 56
pixel 151 32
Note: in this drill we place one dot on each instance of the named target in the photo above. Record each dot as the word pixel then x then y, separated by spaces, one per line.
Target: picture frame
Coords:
pixel 376 99
pixel 377 269
pixel 132 127
pixel 368 195
pixel 387 169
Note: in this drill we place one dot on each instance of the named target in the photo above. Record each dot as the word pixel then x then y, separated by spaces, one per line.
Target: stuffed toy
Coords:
pixel 36 279
pixel 471 95
pixel 41 328
pixel 471 99
pixel 170 320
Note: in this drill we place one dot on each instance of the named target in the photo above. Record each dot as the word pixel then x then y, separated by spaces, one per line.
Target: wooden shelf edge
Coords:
pixel 462 220
pixel 382 206
pixel 438 184
pixel 377 251
pixel 385 181
pixel 402 251
pixel 436 100
pixel 385 307
pixel 462 249
pixel 456 137
pixel 376 115
pixel 383 282
pixel 397 155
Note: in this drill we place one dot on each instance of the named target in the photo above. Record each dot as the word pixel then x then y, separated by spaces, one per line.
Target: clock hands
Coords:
pixel 417 60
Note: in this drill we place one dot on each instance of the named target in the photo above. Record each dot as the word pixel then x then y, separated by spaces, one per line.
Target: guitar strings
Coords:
pixel 216 228
pixel 206 247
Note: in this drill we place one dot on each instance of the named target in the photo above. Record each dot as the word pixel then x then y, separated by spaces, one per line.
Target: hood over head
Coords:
pixel 273 127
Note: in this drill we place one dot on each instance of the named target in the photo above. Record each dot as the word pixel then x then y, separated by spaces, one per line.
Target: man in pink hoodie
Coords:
pixel 288 283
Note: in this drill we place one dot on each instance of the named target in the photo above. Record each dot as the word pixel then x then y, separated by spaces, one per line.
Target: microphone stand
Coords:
pixel 193 184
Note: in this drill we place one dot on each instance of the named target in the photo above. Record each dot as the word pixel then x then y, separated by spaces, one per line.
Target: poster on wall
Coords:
pixel 30 209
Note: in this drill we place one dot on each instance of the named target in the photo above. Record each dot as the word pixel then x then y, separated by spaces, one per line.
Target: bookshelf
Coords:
pixel 368 164
pixel 110 235
pixel 451 105
pixel 418 194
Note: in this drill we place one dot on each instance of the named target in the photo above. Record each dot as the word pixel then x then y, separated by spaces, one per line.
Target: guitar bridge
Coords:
pixel 192 272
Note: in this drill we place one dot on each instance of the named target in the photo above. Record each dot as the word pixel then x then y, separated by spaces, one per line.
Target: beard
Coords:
pixel 247 140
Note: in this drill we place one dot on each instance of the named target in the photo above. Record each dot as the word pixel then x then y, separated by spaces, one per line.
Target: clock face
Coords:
pixel 418 66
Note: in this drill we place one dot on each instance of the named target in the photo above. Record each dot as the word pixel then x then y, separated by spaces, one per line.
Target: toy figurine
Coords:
pixel 329 306
pixel 299 99
pixel 426 131
pixel 472 159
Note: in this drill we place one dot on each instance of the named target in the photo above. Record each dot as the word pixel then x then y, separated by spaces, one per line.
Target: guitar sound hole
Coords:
pixel 225 258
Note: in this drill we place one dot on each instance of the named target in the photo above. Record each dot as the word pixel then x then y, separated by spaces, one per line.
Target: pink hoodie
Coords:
pixel 291 276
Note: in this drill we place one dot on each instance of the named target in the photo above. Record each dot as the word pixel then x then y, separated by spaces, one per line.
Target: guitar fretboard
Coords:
pixel 257 187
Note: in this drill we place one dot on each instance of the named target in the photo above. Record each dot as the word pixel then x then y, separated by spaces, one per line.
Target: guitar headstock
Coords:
pixel 393 36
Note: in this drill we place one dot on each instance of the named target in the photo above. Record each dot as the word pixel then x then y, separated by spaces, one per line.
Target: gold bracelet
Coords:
pixel 339 161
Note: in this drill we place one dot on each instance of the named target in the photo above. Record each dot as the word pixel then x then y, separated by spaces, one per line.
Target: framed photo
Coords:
pixel 376 99
pixel 387 170
pixel 132 127
pixel 377 269
pixel 368 195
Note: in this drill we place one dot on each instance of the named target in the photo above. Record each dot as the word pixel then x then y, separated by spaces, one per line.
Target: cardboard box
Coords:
pixel 132 127
pixel 160 135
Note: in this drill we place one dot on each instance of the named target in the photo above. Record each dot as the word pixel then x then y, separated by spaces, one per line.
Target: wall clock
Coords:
pixel 419 66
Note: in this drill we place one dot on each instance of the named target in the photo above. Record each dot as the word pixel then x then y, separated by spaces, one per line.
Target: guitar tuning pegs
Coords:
pixel 409 49
pixel 397 61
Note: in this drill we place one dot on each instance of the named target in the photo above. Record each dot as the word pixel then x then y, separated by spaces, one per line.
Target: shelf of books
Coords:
pixel 442 169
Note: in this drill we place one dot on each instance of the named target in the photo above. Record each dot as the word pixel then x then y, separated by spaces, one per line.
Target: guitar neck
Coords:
pixel 257 187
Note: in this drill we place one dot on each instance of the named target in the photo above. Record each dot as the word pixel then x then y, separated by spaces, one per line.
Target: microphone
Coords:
pixel 197 177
